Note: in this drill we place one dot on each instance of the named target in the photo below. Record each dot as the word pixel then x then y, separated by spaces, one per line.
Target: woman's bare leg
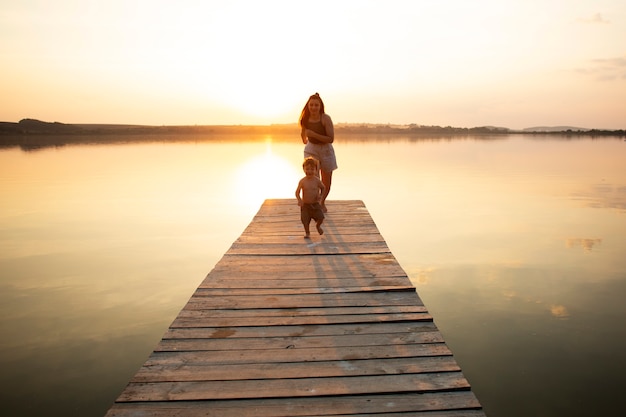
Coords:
pixel 327 179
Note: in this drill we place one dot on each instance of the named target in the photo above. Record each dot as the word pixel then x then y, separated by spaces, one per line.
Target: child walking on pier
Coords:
pixel 312 190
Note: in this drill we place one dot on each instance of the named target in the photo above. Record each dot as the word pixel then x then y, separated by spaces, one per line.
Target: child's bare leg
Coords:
pixel 307 233
pixel 318 225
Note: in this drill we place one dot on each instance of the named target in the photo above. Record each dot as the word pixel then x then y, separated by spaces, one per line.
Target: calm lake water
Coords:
pixel 515 243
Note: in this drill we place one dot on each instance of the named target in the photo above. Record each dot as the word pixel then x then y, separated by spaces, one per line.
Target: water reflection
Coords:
pixel 515 245
pixel 586 244
pixel 603 196
pixel 266 175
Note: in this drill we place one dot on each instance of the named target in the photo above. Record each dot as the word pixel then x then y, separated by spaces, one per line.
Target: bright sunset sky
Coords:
pixel 515 63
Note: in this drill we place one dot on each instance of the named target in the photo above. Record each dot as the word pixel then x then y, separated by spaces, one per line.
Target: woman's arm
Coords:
pixel 303 135
pixel 322 189
pixel 329 137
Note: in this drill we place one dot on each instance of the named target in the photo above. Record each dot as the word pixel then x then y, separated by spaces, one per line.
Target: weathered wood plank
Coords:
pixel 376 274
pixel 299 331
pixel 355 299
pixel 297 287
pixel 286 326
pixel 354 266
pixel 296 355
pixel 312 248
pixel 426 403
pixel 198 320
pixel 294 232
pixel 203 312
pixel 349 261
pixel 299 342
pixel 280 370
pixel 277 239
pixel 296 387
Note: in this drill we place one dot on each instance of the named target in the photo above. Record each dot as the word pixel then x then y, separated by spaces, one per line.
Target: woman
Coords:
pixel 318 134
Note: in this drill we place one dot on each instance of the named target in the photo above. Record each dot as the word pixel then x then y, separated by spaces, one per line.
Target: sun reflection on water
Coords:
pixel 264 176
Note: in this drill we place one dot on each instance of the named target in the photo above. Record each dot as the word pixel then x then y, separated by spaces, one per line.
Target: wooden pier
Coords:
pixel 287 326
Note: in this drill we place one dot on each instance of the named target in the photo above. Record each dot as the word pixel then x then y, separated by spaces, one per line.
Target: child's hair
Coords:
pixel 310 161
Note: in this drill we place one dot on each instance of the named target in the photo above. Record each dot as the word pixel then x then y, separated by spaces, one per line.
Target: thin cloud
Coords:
pixel 606 69
pixel 595 19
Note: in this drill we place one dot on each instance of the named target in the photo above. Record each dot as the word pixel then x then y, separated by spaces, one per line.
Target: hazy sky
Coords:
pixel 516 63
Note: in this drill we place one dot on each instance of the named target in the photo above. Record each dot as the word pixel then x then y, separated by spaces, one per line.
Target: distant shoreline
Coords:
pixel 10 133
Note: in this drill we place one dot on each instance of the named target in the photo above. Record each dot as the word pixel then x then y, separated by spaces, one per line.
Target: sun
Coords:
pixel 265 95
pixel 264 103
pixel 247 70
pixel 255 68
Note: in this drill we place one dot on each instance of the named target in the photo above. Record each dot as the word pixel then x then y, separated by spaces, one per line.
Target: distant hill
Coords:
pixel 37 126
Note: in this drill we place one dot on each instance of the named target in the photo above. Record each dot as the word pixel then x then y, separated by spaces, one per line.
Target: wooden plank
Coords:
pixel 198 320
pixel 300 331
pixel 277 239
pixel 285 354
pixel 312 248
pixel 298 387
pixel 281 370
pixel 343 272
pixel 295 300
pixel 354 266
pixel 206 313
pixel 310 315
pixel 286 326
pixel 289 287
pixel 293 231
pixel 299 342
pixel 343 261
pixel 422 404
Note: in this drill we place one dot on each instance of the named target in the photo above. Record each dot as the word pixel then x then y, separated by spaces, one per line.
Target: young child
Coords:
pixel 312 189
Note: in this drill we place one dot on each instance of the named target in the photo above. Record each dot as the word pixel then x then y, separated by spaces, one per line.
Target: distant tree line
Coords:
pixel 414 129
pixel 590 132
pixel 37 127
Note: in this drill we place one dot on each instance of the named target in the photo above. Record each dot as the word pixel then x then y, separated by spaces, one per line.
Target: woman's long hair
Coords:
pixel 304 115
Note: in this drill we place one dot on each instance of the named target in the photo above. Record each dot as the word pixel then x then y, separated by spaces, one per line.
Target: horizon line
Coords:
pixel 295 124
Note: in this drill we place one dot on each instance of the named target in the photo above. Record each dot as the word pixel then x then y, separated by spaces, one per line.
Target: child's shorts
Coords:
pixel 311 211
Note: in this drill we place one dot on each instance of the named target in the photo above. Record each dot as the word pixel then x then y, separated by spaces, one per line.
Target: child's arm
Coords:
pixel 298 193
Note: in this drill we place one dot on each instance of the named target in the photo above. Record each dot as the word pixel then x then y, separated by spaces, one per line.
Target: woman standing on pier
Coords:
pixel 318 134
